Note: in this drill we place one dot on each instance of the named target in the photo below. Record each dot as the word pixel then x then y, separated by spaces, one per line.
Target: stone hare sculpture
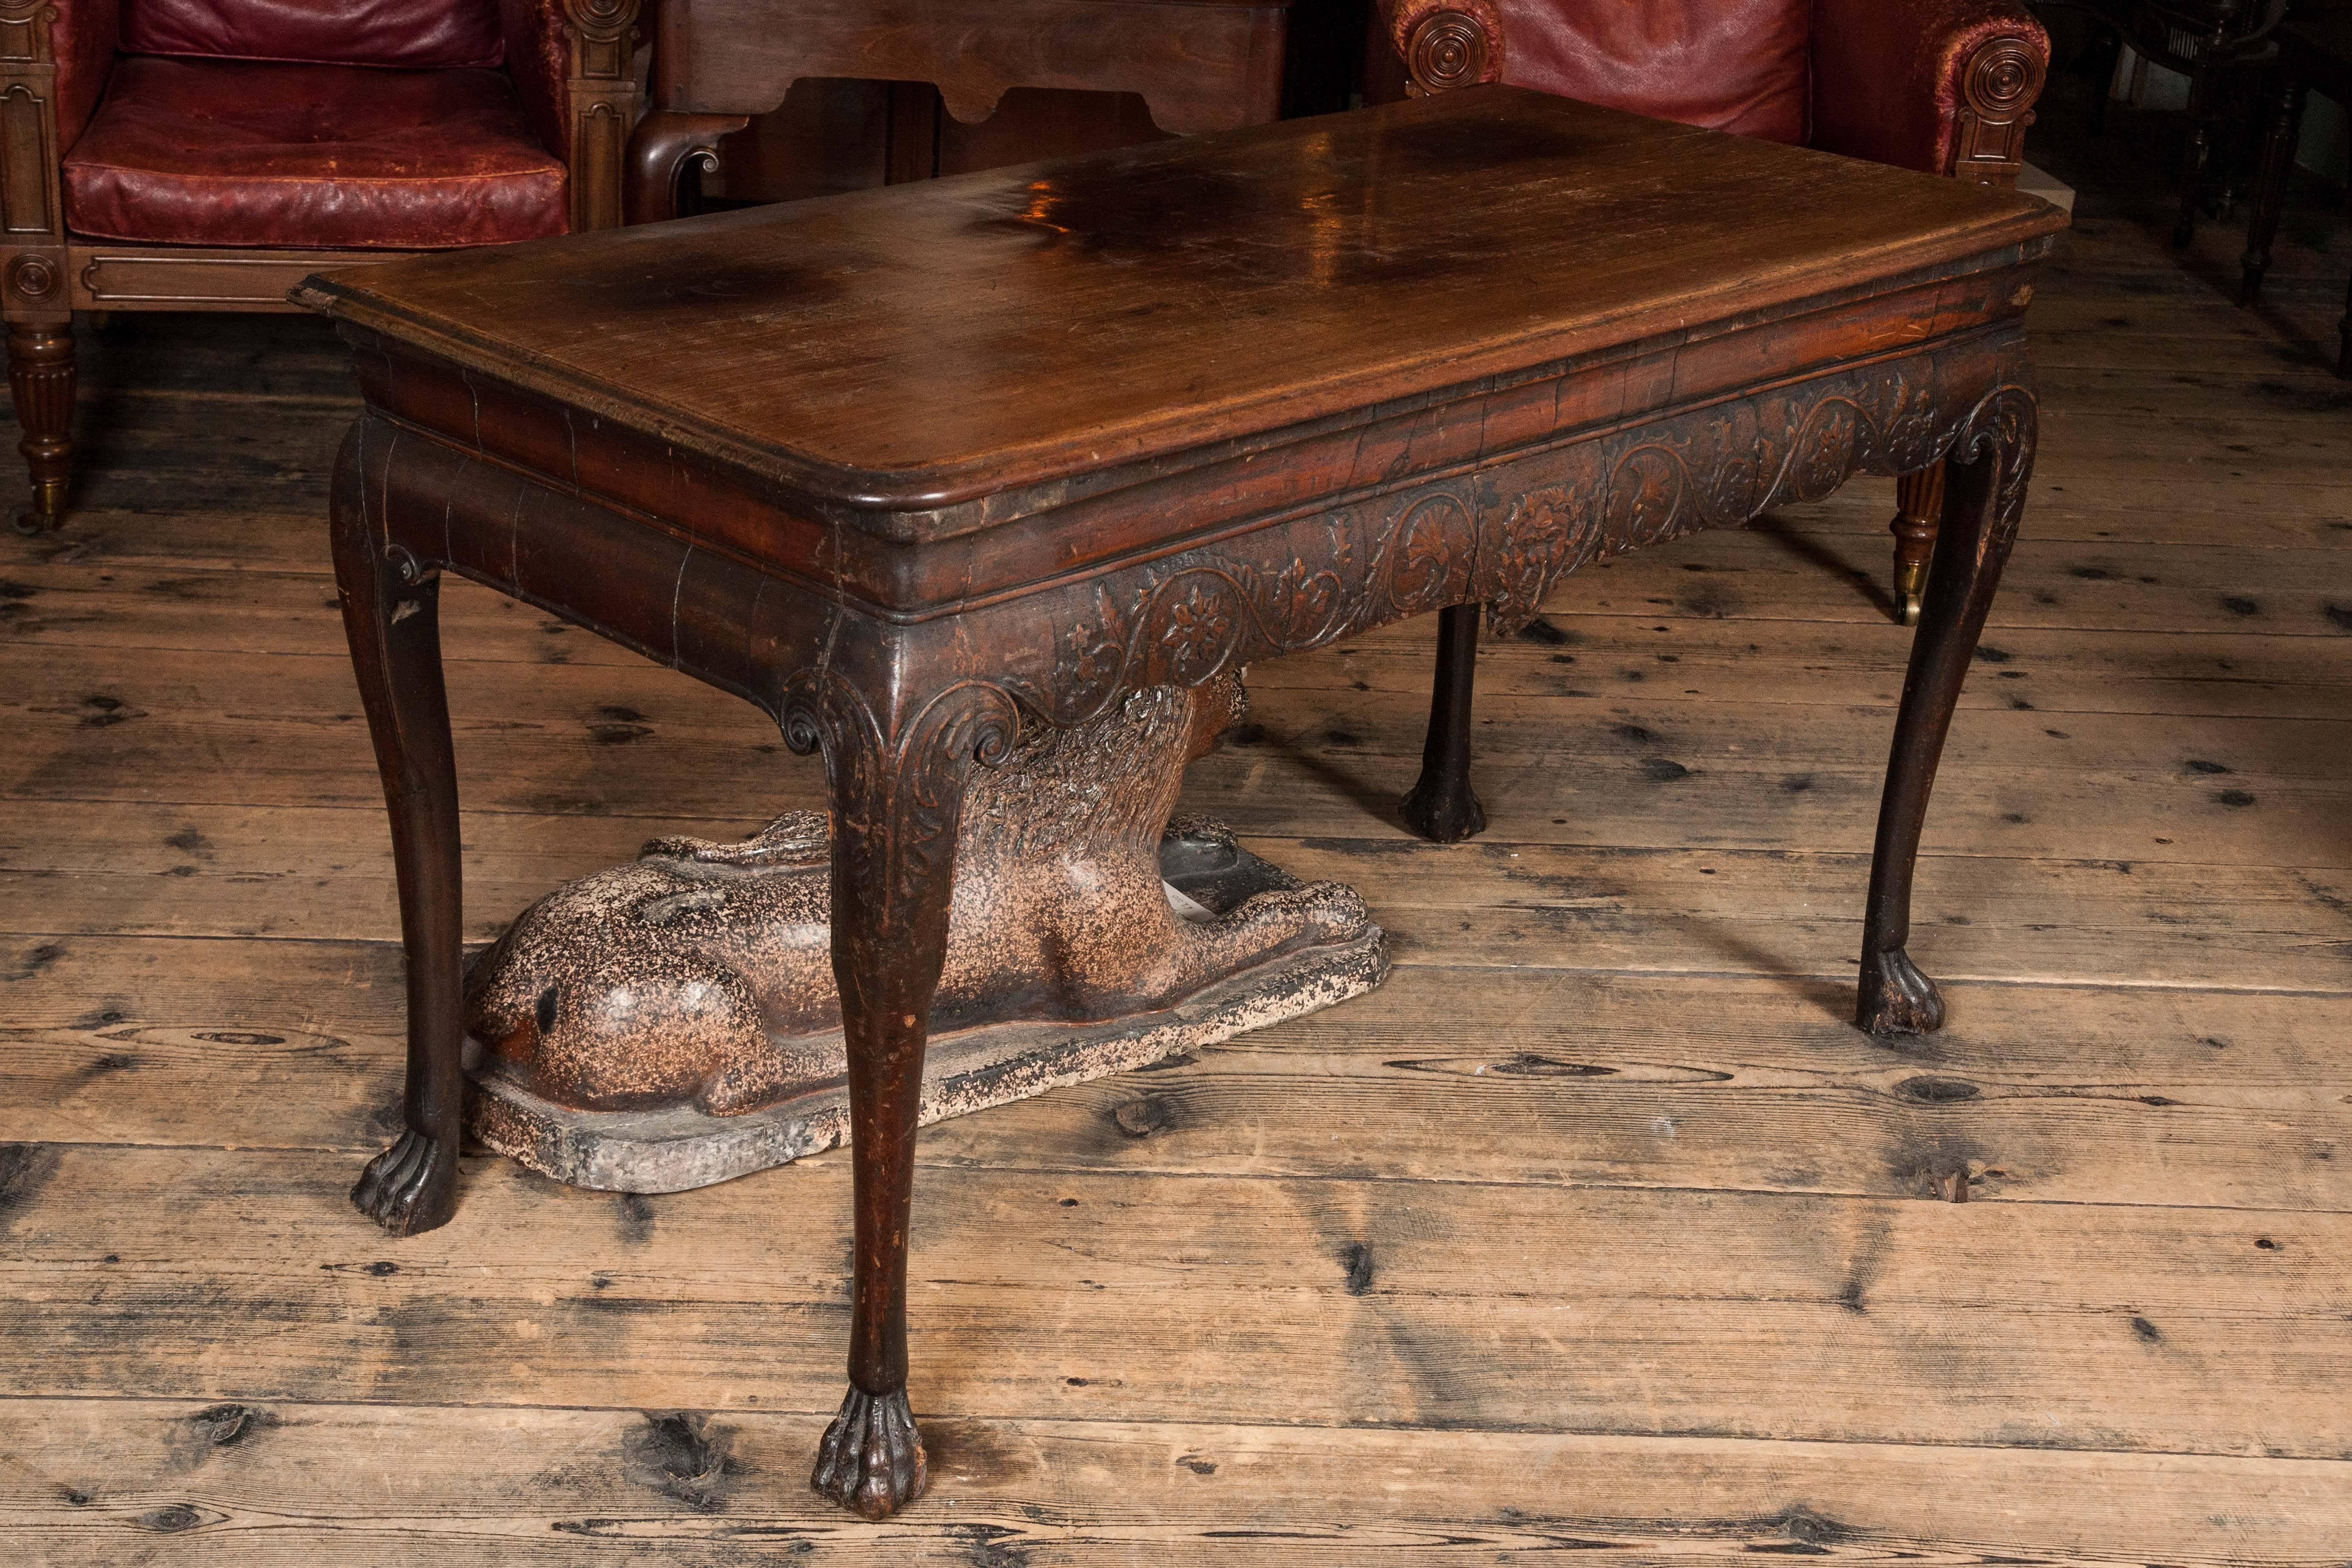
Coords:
pixel 702 975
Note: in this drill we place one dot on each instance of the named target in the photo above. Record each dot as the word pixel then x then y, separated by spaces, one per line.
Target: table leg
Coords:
pixel 1442 807
pixel 2270 192
pixel 391 618
pixel 897 799
pixel 1984 497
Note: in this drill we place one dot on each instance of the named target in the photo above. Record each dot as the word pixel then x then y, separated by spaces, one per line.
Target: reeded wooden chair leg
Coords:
pixel 1918 507
pixel 41 376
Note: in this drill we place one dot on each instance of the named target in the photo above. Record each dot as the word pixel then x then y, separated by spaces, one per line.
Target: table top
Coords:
pixel 924 344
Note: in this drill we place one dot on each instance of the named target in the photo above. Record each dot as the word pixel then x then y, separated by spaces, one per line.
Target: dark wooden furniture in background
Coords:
pixel 1946 87
pixel 2220 46
pixel 2312 52
pixel 1198 65
pixel 204 155
pixel 913 469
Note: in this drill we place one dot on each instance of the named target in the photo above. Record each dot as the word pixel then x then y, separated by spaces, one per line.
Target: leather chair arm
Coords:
pixel 1444 44
pixel 81 40
pixel 574 65
pixel 1943 85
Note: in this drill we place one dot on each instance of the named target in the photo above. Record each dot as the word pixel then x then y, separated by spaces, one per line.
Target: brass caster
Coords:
pixel 1910 589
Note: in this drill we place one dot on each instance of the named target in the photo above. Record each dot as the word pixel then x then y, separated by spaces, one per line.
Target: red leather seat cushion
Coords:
pixel 1730 65
pixel 413 35
pixel 238 153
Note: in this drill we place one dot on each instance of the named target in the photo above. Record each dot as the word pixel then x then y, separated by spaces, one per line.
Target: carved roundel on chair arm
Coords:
pixel 1446 43
pixel 2004 78
pixel 34 278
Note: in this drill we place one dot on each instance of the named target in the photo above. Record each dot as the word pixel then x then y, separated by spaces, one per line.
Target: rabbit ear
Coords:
pixel 796 826
pixel 674 848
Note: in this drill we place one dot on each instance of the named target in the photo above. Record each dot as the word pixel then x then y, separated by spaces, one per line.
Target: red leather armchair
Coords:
pixel 208 155
pixel 1946 87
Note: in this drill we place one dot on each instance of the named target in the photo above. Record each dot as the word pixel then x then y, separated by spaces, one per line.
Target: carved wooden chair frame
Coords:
pixel 1461 45
pixel 47 273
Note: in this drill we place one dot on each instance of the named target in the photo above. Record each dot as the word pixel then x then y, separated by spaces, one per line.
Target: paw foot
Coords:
pixel 1333 912
pixel 1444 810
pixel 1896 999
pixel 871 1460
pixel 411 1186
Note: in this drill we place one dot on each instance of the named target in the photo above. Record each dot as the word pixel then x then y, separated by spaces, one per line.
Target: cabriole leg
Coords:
pixel 1441 805
pixel 897 799
pixel 41 376
pixel 391 618
pixel 1984 496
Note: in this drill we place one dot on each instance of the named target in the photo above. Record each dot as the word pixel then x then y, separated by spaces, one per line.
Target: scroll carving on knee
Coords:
pixel 702 975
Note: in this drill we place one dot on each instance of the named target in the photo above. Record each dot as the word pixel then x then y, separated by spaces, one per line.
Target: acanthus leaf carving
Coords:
pixel 1505 535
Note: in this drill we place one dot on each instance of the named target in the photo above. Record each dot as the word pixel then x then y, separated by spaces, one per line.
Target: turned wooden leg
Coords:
pixel 41 376
pixel 391 618
pixel 2344 339
pixel 2270 190
pixel 1442 807
pixel 897 793
pixel 2109 46
pixel 2194 154
pixel 663 144
pixel 1984 497
pixel 1918 503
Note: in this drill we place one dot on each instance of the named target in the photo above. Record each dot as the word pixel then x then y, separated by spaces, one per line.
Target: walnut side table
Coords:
pixel 920 468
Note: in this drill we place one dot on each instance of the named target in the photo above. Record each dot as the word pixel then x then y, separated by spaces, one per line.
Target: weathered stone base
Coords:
pixel 677 1148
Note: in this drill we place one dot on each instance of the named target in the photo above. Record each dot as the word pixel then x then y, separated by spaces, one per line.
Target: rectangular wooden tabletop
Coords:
pixel 924 344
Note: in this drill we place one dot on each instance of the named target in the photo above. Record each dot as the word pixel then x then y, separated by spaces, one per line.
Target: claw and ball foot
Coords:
pixel 871 1460
pixel 1896 999
pixel 411 1186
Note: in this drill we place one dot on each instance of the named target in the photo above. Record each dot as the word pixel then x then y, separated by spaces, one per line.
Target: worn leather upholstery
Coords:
pixel 411 34
pixel 1730 65
pixel 538 61
pixel 1881 80
pixel 1887 73
pixel 83 37
pixel 245 154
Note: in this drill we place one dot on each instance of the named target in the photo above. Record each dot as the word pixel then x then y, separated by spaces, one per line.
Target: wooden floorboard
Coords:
pixel 1597 1229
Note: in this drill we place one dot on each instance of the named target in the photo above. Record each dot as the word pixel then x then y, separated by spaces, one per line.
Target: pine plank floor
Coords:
pixel 1597 1230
